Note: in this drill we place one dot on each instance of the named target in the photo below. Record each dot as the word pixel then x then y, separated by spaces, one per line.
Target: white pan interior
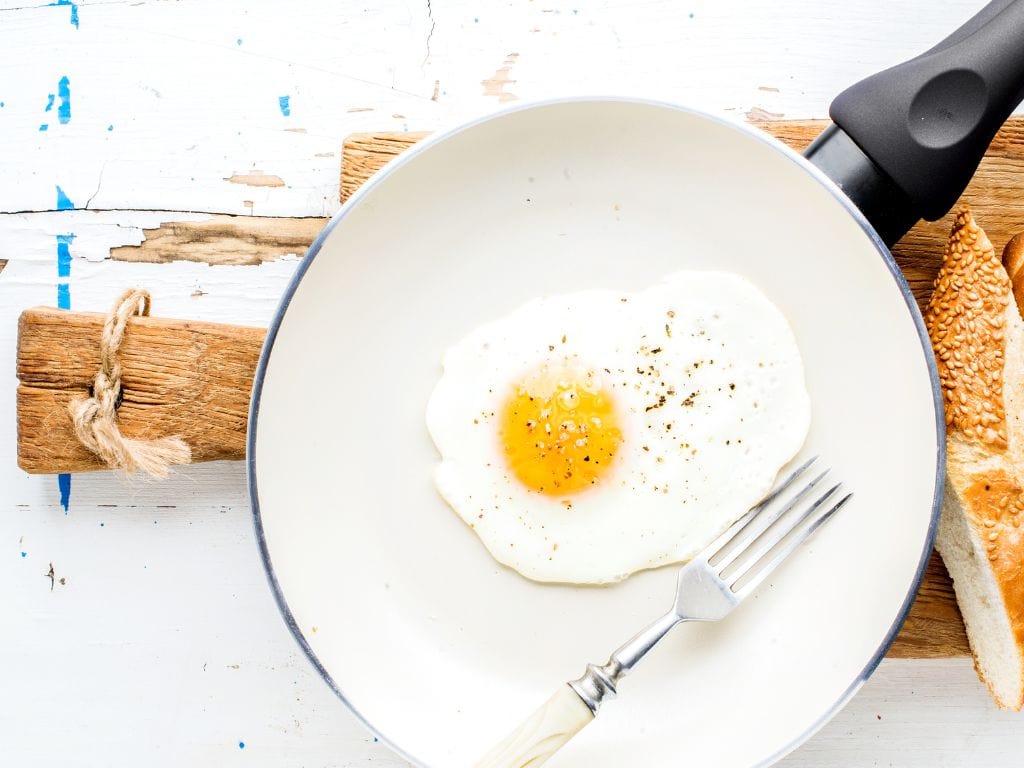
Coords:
pixel 438 648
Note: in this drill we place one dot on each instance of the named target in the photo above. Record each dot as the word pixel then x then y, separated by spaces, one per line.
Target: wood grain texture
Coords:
pixel 179 378
pixel 224 239
pixel 363 154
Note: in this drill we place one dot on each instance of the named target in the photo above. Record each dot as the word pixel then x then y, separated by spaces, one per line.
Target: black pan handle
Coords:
pixel 905 142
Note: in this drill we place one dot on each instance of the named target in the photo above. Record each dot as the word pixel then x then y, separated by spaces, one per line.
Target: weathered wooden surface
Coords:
pixel 223 239
pixel 179 378
pixel 363 154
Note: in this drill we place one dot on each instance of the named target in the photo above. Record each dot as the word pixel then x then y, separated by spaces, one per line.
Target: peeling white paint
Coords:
pixel 133 660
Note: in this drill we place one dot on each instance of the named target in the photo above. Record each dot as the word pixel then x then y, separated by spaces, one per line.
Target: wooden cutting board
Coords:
pixel 193 379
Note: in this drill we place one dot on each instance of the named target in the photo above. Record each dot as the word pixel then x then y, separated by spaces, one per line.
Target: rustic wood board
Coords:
pixel 179 378
pixel 198 384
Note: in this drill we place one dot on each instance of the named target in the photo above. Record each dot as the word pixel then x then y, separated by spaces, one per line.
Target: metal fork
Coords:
pixel 713 583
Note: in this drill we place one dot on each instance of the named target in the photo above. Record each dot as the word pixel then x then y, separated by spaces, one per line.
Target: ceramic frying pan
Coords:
pixel 427 639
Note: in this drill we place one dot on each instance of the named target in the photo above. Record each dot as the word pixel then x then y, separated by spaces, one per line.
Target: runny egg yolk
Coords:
pixel 559 431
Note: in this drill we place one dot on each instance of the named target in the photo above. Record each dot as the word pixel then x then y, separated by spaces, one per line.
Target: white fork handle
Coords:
pixel 542 734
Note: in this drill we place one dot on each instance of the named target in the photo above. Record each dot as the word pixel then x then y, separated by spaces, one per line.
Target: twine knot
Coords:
pixel 95 417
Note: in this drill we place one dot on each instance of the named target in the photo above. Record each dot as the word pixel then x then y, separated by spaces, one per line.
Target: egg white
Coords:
pixel 687 467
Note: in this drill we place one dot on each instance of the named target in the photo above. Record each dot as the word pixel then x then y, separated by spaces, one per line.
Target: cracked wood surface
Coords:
pixel 183 378
pixel 223 239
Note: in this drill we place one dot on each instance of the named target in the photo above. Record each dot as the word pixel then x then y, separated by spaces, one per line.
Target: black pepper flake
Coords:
pixel 586 458
pixel 732 386
pixel 656 350
pixel 668 330
pixel 551 347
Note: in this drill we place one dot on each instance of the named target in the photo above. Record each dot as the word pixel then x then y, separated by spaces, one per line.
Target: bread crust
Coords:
pixel 1013 261
pixel 967 320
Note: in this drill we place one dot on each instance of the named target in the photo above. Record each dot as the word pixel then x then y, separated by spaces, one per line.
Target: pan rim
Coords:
pixel 750 131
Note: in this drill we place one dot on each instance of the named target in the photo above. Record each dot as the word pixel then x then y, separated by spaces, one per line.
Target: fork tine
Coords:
pixel 757 549
pixel 759 523
pixel 763 571
pixel 716 547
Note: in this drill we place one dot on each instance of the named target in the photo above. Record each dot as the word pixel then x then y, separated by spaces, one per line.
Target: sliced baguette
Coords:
pixel 978 336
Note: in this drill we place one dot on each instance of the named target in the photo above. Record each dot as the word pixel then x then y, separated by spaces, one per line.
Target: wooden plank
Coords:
pixel 934 628
pixel 179 378
pixel 363 154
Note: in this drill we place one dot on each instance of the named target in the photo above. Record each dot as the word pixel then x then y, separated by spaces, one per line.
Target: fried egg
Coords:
pixel 587 436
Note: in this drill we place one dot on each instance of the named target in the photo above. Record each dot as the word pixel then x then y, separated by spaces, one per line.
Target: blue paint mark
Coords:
pixel 238 41
pixel 1 105
pixel 74 9
pixel 476 19
pixel 375 739
pixel 575 12
pixel 63 201
pixel 64 302
pixel 64 484
pixel 101 525
pixel 43 126
pixel 284 102
pixel 24 554
pixel 64 257
pixel 64 93
pixel 241 745
pixel 49 102
pixel 110 127
pixel 691 15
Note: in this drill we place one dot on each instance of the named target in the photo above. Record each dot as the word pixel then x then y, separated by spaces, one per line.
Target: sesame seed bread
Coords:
pixel 977 333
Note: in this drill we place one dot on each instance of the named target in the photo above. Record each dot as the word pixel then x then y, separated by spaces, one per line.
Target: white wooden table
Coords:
pixel 135 621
